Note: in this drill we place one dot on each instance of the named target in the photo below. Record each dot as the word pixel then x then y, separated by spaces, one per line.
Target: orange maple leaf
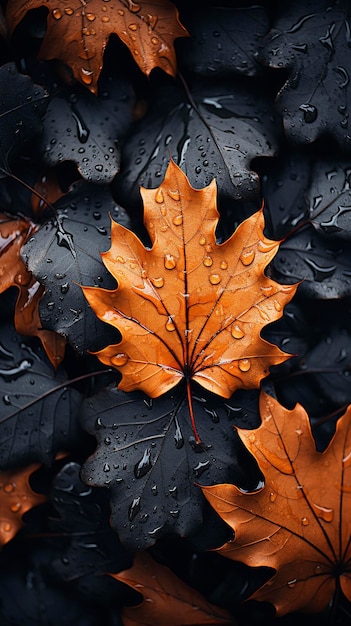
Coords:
pixel 16 497
pixel 14 232
pixel 78 31
pixel 189 308
pixel 300 522
pixel 168 601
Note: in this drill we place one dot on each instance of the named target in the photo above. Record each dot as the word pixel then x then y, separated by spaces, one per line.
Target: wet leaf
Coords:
pixel 214 134
pixel 22 105
pixel 148 458
pixel 167 600
pixel 38 413
pixel 188 308
pixel 299 522
pixel 64 253
pixel 329 198
pixel 82 128
pixel 311 39
pixel 83 538
pixel 284 191
pixel 14 232
pixel 223 40
pixel 323 265
pixel 16 497
pixel 77 35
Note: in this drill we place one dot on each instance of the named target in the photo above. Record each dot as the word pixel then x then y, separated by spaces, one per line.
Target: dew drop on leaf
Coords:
pixel 178 220
pixel 169 262
pixel 56 14
pixel 120 359
pixel 208 261
pixel 134 508
pixel 159 198
pixel 215 279
pixel 144 465
pixel 247 257
pixel 244 365
pixel 237 333
pixel 157 282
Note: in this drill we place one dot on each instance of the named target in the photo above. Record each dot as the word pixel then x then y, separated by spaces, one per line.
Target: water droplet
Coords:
pixel 277 305
pixel 154 490
pixel 202 240
pixel 237 333
pixel 91 17
pixel 267 246
pixel 65 560
pixel 134 509
pixel 133 27
pixel 292 583
pixel 170 324
pixel 120 359
pixel 133 6
pixel 310 112
pixel 69 11
pixel 159 196
pixel 144 465
pixel 272 496
pixel 15 507
pixel 200 468
pixel 223 265
pixel 177 220
pixel 64 288
pixel 82 129
pixel 208 261
pixel 173 491
pixel 106 468
pixel 120 12
pixel 86 76
pixel 215 279
pixel 244 365
pixel 174 194
pixel 105 19
pixel 157 282
pixel 170 261
pixel 6 399
pixel 178 436
pixel 9 487
pixel 107 441
pixel 323 512
pixel 247 256
pixel 304 521
pixel 7 527
pixel 56 14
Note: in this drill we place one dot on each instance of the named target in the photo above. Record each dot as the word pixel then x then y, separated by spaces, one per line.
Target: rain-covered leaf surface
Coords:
pixel 16 498
pixel 83 128
pixel 22 105
pixel 214 134
pixel 65 253
pixel 329 198
pixel 284 191
pixel 324 265
pixel 29 597
pixel 223 40
pixel 148 458
pixel 87 545
pixel 35 419
pixel 312 40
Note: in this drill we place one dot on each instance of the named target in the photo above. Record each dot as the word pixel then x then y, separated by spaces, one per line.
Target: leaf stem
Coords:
pixel 191 412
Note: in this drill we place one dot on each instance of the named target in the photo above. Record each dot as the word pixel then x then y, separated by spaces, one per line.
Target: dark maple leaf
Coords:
pixel 22 105
pixel 38 413
pixel 299 523
pixel 64 252
pixel 148 458
pixel 77 34
pixel 14 233
pixel 85 129
pixel 223 40
pixel 188 308
pixel 311 39
pixel 211 131
pixel 167 600
pixel 16 498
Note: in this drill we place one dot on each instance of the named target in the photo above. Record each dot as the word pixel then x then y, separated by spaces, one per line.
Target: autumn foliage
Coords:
pixel 175 337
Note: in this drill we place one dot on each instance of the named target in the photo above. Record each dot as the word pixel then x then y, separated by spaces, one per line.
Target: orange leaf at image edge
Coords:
pixel 300 522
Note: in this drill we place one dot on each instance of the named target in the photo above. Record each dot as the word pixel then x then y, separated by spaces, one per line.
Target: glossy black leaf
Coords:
pixel 329 198
pixel 65 253
pixel 38 411
pixel 80 127
pixel 284 191
pixel 312 41
pixel 22 105
pixel 148 458
pixel 88 547
pixel 323 265
pixel 215 133
pixel 223 40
